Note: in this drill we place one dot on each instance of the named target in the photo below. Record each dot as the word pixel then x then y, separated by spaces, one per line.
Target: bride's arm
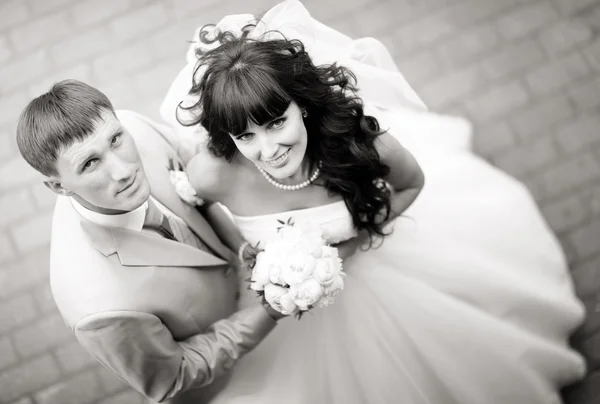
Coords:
pixel 219 218
pixel 209 178
pixel 405 177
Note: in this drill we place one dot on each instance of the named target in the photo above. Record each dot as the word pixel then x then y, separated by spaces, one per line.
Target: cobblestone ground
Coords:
pixel 525 72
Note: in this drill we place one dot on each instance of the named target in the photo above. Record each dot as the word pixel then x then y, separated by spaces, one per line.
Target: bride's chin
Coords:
pixel 284 173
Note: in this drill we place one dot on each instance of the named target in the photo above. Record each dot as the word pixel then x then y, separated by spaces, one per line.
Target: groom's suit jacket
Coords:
pixel 158 313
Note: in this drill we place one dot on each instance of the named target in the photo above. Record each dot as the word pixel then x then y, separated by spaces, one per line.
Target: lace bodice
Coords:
pixel 334 219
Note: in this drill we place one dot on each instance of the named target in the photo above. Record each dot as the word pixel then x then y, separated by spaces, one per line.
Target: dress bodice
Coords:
pixel 334 219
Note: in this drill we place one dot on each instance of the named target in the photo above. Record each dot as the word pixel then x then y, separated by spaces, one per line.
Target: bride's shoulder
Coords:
pixel 209 175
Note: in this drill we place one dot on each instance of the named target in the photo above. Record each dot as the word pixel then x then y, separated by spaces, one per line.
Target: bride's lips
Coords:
pixel 279 161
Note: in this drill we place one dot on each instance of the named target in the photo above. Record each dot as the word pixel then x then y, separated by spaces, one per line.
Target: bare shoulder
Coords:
pixel 210 176
pixel 389 147
pixel 405 171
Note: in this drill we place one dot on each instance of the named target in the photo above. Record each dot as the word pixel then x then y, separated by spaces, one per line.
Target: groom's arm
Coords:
pixel 141 350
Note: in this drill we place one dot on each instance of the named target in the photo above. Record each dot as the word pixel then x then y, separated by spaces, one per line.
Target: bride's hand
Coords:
pixel 348 248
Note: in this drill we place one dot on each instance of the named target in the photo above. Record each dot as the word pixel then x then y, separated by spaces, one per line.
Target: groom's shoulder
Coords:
pixel 75 265
pixel 143 128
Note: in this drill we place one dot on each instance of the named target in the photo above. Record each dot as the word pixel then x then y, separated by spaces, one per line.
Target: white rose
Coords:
pixel 306 294
pixel 279 298
pixel 312 241
pixel 325 301
pixel 275 275
pixel 290 234
pixel 261 272
pixel 277 246
pixel 298 268
pixel 326 270
pixel 183 188
pixel 311 246
pixel 309 229
pixel 287 304
pixel 328 252
pixel 335 286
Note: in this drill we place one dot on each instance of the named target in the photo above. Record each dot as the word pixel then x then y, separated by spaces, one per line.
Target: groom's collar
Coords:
pixel 133 220
pixel 122 234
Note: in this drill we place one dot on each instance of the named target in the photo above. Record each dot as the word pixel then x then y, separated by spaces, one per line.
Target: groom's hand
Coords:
pixel 249 257
pixel 275 315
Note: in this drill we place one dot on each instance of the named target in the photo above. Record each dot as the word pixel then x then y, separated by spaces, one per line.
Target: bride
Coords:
pixel 462 297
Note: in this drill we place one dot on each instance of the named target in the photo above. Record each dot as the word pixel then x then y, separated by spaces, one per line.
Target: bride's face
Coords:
pixel 279 146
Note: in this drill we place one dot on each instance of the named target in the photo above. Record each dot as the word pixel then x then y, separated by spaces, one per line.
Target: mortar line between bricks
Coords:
pixel 122 44
pixel 592 74
pixel 35 251
pixel 10 332
pixel 571 229
pixel 130 74
pixel 31 359
pixel 99 379
pixel 571 191
pixel 532 98
pixel 19 187
pixel 88 27
pixel 491 20
pixel 11 261
pixel 68 374
pixel 586 260
pixel 434 45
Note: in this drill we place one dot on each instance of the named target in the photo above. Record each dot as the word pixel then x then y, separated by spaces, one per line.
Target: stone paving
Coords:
pixel 526 72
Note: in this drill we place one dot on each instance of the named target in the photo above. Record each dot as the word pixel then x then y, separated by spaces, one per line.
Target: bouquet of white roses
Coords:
pixel 297 270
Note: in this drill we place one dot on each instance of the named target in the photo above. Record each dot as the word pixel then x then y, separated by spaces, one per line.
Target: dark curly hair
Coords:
pixel 246 79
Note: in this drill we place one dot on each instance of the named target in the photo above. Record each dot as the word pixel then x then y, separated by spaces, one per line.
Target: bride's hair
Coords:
pixel 246 79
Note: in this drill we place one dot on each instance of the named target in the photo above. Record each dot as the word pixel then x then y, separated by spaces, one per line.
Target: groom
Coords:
pixel 139 276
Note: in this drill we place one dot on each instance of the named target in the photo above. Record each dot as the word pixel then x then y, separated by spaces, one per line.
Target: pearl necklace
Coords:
pixel 296 187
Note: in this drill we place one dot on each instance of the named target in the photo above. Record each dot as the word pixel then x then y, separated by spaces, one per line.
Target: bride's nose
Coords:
pixel 268 147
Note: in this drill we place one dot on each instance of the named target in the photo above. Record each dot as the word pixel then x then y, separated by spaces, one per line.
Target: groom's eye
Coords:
pixel 115 139
pixel 88 165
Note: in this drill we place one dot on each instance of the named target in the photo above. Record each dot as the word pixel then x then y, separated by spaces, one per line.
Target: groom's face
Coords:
pixel 104 171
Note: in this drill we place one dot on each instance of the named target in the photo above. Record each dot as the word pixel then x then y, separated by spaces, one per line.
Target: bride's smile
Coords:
pixel 278 146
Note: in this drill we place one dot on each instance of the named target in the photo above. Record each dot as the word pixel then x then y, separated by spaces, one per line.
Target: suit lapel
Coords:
pixel 156 163
pixel 145 249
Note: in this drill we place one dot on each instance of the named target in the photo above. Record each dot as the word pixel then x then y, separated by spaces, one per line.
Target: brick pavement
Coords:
pixel 526 72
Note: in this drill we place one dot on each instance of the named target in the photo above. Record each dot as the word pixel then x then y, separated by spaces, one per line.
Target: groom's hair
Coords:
pixel 55 120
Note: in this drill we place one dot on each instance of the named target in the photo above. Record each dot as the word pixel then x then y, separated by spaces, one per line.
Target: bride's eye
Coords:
pixel 244 137
pixel 277 123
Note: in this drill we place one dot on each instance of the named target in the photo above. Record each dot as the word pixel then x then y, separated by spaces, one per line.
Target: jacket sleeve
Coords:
pixel 140 349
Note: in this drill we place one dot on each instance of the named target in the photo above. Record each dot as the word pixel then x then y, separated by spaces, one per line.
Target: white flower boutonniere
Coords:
pixel 182 185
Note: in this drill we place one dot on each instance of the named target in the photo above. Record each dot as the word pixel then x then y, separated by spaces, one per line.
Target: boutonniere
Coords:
pixel 182 185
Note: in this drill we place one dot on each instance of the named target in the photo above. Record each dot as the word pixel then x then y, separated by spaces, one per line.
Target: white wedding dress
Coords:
pixel 468 301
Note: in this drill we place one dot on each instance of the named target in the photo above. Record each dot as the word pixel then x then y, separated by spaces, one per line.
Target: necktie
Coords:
pixel 157 221
pixel 175 228
pixel 172 227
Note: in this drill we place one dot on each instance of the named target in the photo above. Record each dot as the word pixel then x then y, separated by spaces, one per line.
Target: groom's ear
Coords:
pixel 54 184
